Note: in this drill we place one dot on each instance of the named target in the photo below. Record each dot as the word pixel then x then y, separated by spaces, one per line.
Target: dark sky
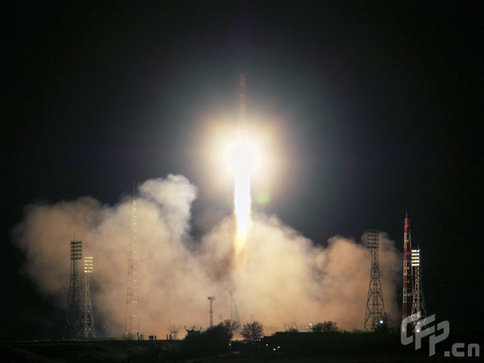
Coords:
pixel 379 107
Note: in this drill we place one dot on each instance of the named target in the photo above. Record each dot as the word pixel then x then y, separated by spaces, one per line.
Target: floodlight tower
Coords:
pixel 374 304
pixel 88 330
pixel 418 304
pixel 132 318
pixel 211 299
pixel 74 308
pixel 407 270
pixel 174 332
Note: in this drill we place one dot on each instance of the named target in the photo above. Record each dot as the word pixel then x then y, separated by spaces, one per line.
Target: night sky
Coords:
pixel 377 109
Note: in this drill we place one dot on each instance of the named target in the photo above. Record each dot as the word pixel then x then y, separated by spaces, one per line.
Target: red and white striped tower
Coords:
pixel 407 271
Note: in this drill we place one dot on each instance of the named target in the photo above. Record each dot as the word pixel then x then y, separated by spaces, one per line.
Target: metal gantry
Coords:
pixel 374 315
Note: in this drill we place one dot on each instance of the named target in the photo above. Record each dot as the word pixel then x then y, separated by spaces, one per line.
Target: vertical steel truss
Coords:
pixel 132 318
pixel 374 304
pixel 418 303
pixel 407 287
pixel 88 330
pixel 74 308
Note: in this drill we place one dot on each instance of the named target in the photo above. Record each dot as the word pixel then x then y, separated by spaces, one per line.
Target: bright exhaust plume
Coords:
pixel 242 160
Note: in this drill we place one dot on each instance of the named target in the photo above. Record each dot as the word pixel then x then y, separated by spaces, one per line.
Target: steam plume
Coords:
pixel 286 279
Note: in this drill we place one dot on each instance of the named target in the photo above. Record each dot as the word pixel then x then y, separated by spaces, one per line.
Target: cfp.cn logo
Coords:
pixel 436 333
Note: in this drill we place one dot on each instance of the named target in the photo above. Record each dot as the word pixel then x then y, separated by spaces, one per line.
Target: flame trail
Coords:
pixel 242 159
pixel 242 199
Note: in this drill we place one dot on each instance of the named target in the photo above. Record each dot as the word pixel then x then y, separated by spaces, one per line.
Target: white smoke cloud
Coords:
pixel 280 278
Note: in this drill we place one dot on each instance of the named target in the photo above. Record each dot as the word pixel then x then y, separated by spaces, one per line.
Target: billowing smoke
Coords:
pixel 281 278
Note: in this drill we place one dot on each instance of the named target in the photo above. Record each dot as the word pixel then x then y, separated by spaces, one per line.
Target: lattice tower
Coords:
pixel 374 304
pixel 407 286
pixel 132 317
pixel 74 307
pixel 418 303
pixel 88 330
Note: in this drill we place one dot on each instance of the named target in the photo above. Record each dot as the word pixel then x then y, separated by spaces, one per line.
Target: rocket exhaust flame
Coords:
pixel 242 160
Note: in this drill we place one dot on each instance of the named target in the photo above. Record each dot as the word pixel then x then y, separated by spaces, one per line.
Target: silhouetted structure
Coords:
pixel 173 332
pixel 407 269
pixel 74 308
pixel 374 304
pixel 211 299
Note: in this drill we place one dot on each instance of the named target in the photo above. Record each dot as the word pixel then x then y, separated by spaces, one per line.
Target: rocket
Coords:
pixel 242 119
